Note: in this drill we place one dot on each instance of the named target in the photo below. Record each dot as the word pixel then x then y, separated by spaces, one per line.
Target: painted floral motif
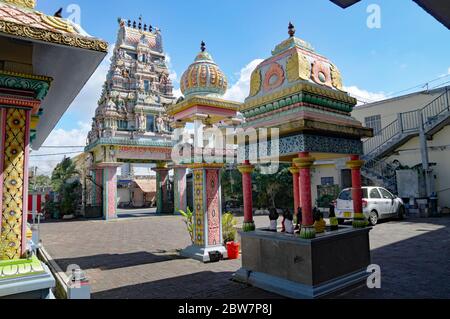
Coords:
pixel 274 77
pixel 13 183
pixel 212 180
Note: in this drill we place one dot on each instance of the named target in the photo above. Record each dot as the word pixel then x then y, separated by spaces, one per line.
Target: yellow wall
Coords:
pixel 439 153
pixel 323 171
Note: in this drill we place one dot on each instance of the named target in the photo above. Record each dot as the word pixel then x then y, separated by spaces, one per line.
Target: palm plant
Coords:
pixel 229 227
pixel 189 221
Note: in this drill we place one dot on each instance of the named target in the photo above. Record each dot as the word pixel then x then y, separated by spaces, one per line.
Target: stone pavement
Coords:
pixel 137 258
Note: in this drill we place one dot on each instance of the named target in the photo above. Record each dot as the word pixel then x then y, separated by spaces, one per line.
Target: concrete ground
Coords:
pixel 136 257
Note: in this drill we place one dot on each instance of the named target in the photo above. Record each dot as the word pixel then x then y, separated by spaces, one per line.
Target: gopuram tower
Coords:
pixel 130 124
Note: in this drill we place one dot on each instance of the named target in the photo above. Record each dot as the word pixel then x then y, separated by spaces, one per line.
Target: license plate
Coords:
pixel 347 215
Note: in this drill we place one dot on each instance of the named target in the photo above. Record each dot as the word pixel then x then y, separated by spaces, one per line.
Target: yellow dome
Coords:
pixel 203 77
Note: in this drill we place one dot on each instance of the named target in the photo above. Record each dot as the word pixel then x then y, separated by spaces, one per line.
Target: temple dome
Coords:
pixel 203 77
pixel 293 61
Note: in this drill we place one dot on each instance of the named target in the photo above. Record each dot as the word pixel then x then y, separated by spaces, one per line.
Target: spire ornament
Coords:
pixel 291 30
pixel 203 46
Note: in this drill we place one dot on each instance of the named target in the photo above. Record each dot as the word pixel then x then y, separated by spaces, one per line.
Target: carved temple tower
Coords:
pixel 130 124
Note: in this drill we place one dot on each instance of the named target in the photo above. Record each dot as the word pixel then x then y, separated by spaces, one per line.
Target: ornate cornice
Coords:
pixel 37 84
pixel 128 142
pixel 202 101
pixel 22 3
pixel 296 89
pixel 39 34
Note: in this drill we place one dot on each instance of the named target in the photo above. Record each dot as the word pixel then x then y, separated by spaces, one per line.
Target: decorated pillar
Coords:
pixel 355 165
pixel 207 212
pixel 109 187
pixel 180 188
pixel 295 171
pixel 14 177
pixel 304 163
pixel 246 170
pixel 162 180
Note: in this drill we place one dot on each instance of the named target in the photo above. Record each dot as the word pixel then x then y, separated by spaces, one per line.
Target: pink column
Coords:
pixel 355 165
pixel 305 162
pixel 110 192
pixel 98 186
pixel 246 170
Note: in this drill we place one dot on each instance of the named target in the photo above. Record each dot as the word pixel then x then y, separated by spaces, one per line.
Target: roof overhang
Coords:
pixel 70 68
pixel 438 9
pixel 345 3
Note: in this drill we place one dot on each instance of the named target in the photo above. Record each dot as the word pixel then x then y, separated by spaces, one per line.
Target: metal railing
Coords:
pixel 409 123
pixel 383 171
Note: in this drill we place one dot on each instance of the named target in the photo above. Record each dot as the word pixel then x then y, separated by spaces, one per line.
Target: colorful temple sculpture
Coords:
pixel 300 93
pixel 44 63
pixel 203 85
pixel 131 124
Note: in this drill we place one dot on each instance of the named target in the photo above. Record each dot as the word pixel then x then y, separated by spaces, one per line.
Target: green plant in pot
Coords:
pixel 189 221
pixel 229 232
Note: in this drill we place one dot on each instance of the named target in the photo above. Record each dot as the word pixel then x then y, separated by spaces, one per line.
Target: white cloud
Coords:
pixel 173 75
pixel 240 90
pixel 59 137
pixel 364 96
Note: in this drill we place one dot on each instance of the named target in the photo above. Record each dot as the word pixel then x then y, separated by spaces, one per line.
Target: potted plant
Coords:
pixel 189 221
pixel 229 235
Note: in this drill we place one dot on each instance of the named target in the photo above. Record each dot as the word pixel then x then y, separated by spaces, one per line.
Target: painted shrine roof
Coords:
pixel 18 18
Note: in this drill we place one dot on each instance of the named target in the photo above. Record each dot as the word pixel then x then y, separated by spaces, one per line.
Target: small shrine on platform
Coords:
pixel 45 61
pixel 203 85
pixel 300 93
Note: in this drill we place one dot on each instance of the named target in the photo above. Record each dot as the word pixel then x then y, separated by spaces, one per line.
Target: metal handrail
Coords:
pixel 409 122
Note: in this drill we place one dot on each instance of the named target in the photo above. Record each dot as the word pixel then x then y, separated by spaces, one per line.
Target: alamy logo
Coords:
pixel 374 18
pixel 74 12
pixel 374 279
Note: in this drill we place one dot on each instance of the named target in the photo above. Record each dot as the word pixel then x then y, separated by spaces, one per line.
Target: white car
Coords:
pixel 378 203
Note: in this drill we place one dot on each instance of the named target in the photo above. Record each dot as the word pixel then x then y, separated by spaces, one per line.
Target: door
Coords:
pixel 388 201
pixel 377 202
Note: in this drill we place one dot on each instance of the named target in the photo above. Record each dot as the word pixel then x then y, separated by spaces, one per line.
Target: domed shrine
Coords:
pixel 203 77
pixel 300 93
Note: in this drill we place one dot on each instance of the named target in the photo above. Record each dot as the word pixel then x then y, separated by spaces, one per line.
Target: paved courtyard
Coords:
pixel 136 257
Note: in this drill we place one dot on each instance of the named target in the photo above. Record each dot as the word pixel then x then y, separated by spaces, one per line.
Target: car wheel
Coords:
pixel 401 213
pixel 373 218
pixel 341 221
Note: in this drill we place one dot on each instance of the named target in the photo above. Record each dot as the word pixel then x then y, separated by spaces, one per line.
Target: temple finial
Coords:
pixel 203 46
pixel 291 30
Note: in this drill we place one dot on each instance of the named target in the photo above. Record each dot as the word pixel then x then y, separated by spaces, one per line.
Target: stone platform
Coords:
pixel 298 268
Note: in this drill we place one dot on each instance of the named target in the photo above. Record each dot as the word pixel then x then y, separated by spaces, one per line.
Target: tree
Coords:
pixel 62 173
pixel 69 188
pixel 39 182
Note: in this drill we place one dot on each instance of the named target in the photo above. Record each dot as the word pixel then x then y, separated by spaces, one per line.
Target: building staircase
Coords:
pixel 429 119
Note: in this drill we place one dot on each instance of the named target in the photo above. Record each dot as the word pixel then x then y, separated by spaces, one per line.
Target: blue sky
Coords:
pixel 410 48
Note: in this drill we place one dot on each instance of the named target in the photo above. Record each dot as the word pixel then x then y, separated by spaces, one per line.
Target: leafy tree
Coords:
pixel 39 182
pixel 69 189
pixel 62 173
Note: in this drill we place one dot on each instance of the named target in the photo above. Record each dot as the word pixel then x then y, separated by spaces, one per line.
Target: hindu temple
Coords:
pixel 131 124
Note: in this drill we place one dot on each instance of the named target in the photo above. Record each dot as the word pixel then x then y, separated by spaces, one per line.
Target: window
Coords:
pixel 146 85
pixel 346 195
pixel 374 122
pixel 327 181
pixel 365 193
pixel 386 194
pixel 122 125
pixel 150 123
pixel 374 194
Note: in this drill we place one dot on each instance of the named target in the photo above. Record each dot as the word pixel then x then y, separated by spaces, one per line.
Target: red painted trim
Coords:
pixel 2 158
pixel 25 180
